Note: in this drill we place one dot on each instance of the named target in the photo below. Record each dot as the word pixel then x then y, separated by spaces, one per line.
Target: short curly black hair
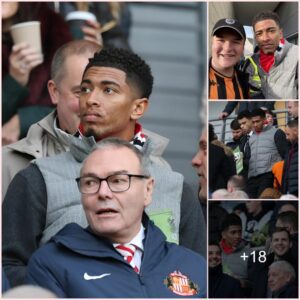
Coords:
pixel 138 72
pixel 258 112
pixel 266 15
pixel 231 220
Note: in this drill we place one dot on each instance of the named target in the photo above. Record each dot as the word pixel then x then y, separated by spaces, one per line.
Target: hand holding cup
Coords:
pixel 92 32
pixel 84 25
pixel 27 50
pixel 22 60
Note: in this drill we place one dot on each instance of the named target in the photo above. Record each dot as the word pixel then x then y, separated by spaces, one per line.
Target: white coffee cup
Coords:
pixel 28 32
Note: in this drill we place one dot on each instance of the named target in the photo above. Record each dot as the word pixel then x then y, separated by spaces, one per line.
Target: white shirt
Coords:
pixel 138 242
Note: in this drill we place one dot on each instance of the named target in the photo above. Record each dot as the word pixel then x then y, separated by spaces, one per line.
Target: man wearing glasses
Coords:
pixel 121 253
pixel 43 198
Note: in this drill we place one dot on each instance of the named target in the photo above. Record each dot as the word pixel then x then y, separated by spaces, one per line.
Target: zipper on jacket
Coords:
pixel 143 287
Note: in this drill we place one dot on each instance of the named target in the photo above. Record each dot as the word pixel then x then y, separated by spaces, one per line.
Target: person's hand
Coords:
pixel 22 60
pixel 223 115
pixel 11 131
pixel 92 32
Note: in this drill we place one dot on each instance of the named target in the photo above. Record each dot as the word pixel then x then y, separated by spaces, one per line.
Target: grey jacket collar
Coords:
pixel 31 144
pixel 81 147
pixel 279 55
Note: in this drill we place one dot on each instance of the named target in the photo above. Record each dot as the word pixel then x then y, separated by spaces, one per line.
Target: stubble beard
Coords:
pixel 92 132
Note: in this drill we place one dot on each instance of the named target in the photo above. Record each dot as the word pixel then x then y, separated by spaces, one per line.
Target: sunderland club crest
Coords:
pixel 181 284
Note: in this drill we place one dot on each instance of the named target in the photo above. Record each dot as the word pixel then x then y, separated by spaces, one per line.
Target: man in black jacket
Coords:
pixel 289 221
pixel 221 166
pixel 258 271
pixel 290 168
pixel 238 138
pixel 221 285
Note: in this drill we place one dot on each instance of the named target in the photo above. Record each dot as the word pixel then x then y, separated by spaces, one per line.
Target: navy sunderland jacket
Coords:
pixel 78 264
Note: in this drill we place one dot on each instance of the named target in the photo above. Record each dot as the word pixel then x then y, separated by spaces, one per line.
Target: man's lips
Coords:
pixel 227 55
pixel 106 211
pixel 280 248
pixel 236 242
pixel 267 45
pixel 91 116
pixel 201 175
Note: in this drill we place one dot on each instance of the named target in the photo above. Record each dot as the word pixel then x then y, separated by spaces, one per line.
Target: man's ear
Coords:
pixel 149 186
pixel 53 91
pixel 139 107
pixel 281 34
pixel 223 234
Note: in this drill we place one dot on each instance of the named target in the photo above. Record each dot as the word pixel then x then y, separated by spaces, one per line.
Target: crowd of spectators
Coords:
pixel 253 252
pixel 42 197
pixel 81 70
pixel 260 160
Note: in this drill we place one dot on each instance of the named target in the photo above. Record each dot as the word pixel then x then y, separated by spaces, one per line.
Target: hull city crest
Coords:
pixel 180 284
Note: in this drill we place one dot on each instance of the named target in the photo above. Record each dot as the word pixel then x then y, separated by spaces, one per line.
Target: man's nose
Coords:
pixel 94 98
pixel 196 161
pixel 104 190
pixel 227 46
pixel 265 36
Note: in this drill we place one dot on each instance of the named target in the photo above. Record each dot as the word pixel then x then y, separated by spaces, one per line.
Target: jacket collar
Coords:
pixel 81 146
pixel 31 144
pixel 279 54
pixel 86 243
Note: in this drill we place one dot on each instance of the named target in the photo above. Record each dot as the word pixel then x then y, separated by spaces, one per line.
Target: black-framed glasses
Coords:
pixel 117 183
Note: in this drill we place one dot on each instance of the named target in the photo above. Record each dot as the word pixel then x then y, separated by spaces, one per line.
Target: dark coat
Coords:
pixel 290 170
pixel 5 282
pixel 222 285
pixel 258 274
pixel 240 142
pixel 288 291
pixel 221 168
pixel 60 266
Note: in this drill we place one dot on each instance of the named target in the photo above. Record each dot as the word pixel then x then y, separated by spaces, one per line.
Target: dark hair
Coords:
pixel 214 243
pixel 230 220
pixel 274 117
pixel 28 11
pixel 270 112
pixel 266 15
pixel 280 229
pixel 138 72
pixel 289 217
pixel 258 112
pixel 211 133
pixel 76 47
pixel 244 114
pixel 292 123
pixel 235 125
